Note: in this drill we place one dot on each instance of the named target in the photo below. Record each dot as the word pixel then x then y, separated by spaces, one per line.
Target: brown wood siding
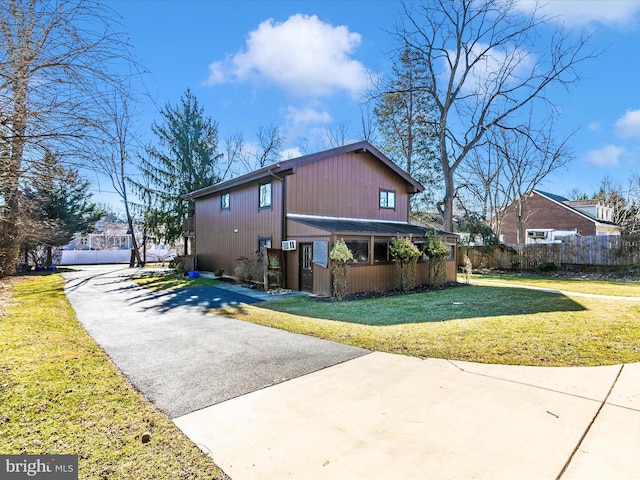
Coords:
pixel 218 245
pixel 540 212
pixel 373 278
pixel 347 185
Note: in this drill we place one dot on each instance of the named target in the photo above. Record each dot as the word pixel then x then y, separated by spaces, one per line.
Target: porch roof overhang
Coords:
pixel 365 227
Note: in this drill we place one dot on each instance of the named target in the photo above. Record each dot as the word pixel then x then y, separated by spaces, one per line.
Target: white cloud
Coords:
pixel 594 127
pixel 606 156
pixel 305 122
pixel 628 126
pixel 303 55
pixel 306 116
pixel 614 13
pixel 289 153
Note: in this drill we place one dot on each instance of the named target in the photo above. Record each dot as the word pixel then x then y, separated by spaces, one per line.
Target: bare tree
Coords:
pixel 625 201
pixel 336 136
pixel 367 124
pixel 55 62
pixel 118 152
pixel 266 151
pixel 485 62
pixel 515 162
pixel 270 142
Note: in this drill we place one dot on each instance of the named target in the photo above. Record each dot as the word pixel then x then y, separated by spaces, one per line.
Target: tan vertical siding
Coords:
pixel 218 227
pixel 386 277
pixel 346 186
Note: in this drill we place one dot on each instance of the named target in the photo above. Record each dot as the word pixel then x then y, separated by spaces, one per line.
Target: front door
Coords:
pixel 306 267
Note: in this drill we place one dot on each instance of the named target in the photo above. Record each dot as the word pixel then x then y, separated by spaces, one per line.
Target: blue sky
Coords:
pixel 303 64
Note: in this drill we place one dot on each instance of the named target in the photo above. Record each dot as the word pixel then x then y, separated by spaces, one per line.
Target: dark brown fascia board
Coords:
pixel 288 166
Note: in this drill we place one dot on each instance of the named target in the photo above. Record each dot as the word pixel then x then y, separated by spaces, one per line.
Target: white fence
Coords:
pixel 95 257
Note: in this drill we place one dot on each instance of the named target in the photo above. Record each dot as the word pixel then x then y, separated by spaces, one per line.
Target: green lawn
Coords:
pixel 164 281
pixel 60 394
pixel 474 323
pixel 623 288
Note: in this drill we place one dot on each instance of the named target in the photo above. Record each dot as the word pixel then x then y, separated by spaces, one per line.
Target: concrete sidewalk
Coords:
pixel 385 416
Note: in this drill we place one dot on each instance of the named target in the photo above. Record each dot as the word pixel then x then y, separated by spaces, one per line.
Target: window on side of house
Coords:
pixel 452 251
pixel 388 199
pixel 263 242
pixel 360 250
pixel 421 245
pixel 224 201
pixel 381 251
pixel 264 200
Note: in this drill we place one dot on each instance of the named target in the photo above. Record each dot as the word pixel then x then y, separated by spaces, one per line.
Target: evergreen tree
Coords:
pixel 57 206
pixel 404 113
pixel 185 159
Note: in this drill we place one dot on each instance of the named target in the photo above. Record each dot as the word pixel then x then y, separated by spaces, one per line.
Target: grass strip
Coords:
pixel 613 287
pixel 473 323
pixel 164 281
pixel 60 394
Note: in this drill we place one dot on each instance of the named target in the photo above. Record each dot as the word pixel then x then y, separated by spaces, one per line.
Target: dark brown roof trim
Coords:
pixel 287 167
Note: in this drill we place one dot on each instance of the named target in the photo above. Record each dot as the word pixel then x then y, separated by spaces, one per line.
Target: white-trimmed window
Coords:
pixel 224 201
pixel 388 199
pixel 264 200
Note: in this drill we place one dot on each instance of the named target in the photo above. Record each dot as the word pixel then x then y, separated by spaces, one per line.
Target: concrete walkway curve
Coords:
pixel 351 414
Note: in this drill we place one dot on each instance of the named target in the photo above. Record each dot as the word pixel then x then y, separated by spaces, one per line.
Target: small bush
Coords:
pixel 218 272
pixel 340 255
pixel 437 251
pixel 405 254
pixel 180 268
pixel 547 267
pixel 247 269
pixel 467 269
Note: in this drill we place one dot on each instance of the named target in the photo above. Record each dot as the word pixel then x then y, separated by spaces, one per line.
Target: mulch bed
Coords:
pixel 391 293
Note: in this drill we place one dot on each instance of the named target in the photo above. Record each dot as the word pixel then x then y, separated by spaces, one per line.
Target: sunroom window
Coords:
pixel 359 249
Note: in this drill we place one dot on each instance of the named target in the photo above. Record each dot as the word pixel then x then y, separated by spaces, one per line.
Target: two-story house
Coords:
pixel 546 218
pixel 304 205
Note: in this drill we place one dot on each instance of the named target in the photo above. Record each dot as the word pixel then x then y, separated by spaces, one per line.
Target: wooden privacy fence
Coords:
pixel 602 250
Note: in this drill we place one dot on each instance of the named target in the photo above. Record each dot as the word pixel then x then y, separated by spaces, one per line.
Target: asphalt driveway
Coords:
pixel 377 416
pixel 180 357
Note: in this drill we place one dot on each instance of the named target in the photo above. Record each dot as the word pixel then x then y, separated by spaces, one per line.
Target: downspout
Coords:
pixel 283 228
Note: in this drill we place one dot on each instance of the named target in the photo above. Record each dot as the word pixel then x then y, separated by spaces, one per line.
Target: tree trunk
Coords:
pixel 135 251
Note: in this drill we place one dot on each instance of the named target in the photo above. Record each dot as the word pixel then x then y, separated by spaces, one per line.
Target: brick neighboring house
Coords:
pixel 547 217
pixel 302 207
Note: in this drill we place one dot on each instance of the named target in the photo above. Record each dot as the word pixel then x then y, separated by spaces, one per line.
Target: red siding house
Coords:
pixel 546 218
pixel 303 206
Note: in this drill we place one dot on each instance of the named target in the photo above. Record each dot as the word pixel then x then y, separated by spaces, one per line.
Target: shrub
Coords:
pixel 405 254
pixel 340 255
pixel 218 272
pixel 437 251
pixel 547 267
pixel 467 269
pixel 180 268
pixel 247 269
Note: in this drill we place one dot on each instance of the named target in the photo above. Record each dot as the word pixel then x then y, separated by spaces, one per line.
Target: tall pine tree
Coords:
pixel 404 113
pixel 185 159
pixel 56 206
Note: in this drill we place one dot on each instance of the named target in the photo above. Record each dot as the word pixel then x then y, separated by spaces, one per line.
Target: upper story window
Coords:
pixel 224 201
pixel 264 200
pixel 388 199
